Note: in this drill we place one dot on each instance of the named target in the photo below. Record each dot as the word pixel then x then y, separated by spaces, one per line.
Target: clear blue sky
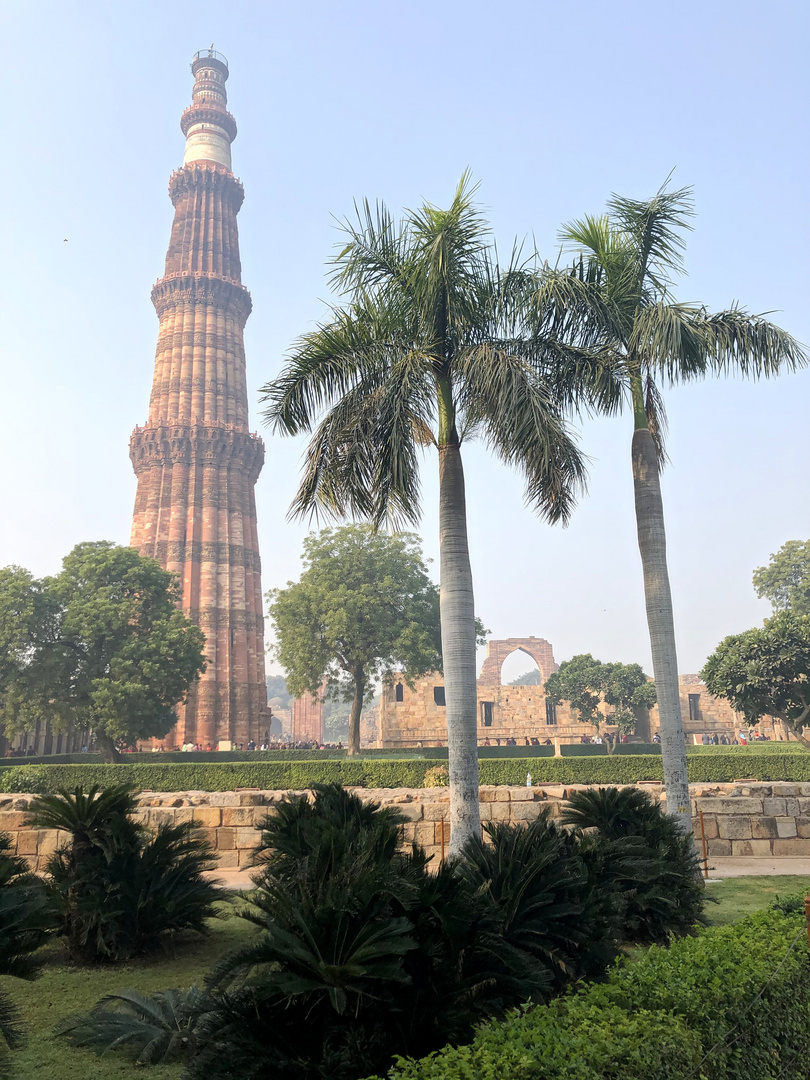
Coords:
pixel 552 106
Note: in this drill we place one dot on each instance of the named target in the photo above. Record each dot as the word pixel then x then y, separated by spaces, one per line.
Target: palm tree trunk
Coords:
pixel 457 609
pixel 357 708
pixel 652 543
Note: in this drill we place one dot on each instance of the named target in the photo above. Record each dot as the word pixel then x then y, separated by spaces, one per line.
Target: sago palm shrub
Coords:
pixel 550 920
pixel 115 887
pixel 651 863
pixel 151 1028
pixel 365 953
pixel 25 923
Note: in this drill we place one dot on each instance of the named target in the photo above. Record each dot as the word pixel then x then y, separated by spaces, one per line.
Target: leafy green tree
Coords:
pixel 363 606
pixel 619 294
pixel 277 691
pixel 785 581
pixel 766 672
pixel 103 645
pixel 433 347
pixel 588 684
pixel 529 678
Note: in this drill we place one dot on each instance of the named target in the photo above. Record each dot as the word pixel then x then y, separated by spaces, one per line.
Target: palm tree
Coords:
pixel 431 348
pixel 618 293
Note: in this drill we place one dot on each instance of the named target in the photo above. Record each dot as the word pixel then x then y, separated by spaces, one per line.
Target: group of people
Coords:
pixel 526 740
pixel 742 738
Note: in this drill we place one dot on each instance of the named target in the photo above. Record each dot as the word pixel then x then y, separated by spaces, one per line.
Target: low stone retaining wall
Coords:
pixel 740 819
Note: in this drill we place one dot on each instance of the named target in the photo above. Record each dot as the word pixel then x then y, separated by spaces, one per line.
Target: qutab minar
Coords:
pixel 195 458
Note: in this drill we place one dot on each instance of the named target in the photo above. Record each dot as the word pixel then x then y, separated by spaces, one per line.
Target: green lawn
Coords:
pixel 63 990
pixel 740 896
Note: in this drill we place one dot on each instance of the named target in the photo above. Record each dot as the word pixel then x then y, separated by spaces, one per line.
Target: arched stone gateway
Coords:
pixel 497 651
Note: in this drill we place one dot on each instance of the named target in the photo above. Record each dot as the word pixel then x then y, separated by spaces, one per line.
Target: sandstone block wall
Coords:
pixel 759 820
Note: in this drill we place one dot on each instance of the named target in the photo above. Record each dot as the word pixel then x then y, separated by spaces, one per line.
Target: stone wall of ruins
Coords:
pixel 740 819
pixel 410 716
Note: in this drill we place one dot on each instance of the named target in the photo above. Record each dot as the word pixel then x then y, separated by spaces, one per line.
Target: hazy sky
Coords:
pixel 553 106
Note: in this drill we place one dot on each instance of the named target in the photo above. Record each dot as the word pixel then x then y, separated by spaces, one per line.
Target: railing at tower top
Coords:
pixel 209 54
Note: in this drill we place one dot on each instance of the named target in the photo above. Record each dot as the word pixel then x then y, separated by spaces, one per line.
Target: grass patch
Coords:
pixel 741 896
pixel 63 989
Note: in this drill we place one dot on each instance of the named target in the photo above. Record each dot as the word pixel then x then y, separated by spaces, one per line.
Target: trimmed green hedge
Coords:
pixel 732 1003
pixel 371 772
pixel 428 753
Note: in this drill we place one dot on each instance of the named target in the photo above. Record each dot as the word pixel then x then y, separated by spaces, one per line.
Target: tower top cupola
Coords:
pixel 207 125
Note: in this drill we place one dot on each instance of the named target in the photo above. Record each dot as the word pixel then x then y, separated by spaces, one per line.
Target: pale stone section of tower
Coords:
pixel 196 460
pixel 208 127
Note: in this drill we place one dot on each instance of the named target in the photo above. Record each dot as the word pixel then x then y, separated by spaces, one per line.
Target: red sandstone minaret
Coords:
pixel 195 459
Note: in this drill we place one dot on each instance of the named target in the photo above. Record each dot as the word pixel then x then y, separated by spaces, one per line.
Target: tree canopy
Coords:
pixel 587 684
pixel 766 671
pixel 363 606
pixel 785 581
pixel 102 645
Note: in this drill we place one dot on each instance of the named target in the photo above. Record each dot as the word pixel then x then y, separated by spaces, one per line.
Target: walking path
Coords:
pixel 727 867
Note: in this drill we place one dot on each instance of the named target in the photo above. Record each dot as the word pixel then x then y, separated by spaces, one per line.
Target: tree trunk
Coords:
pixel 457 609
pixel 357 708
pixel 652 544
pixel 107 749
pixel 796 729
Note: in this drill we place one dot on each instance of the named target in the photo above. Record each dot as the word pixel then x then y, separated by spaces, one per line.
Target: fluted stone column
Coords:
pixel 195 458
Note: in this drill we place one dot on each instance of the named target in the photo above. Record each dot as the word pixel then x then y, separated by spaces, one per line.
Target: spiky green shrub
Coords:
pixel 550 923
pixel 116 889
pixel 151 1028
pixel 25 921
pixel 364 953
pixel 625 836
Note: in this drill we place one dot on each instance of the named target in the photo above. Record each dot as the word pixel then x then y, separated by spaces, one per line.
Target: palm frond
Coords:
pixel 329 362
pixel 363 457
pixel 751 345
pixel 685 341
pixel 672 339
pixel 374 255
pixel 523 424
pixel 656 227
pixel 155 1028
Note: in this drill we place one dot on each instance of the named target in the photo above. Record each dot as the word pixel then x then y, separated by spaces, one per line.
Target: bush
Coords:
pixel 298 775
pixel 115 889
pixel 653 866
pixel 438 776
pixel 24 926
pixel 152 1028
pixel 554 921
pixel 365 953
pixel 731 1004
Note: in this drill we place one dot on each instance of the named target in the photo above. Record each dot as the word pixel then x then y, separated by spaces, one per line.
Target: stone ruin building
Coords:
pixel 408 717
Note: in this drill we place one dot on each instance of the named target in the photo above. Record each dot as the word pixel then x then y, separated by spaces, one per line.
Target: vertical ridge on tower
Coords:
pixel 195 458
